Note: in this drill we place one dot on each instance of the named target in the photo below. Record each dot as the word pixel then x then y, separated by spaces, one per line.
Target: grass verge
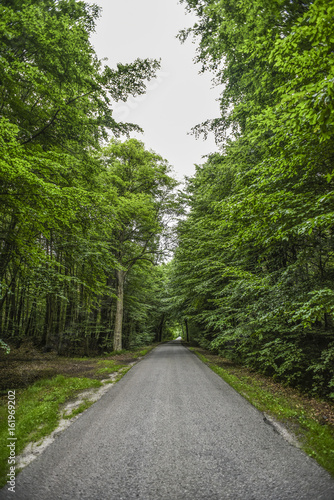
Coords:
pixel 316 438
pixel 142 353
pixel 37 413
pixel 107 367
pixel 38 405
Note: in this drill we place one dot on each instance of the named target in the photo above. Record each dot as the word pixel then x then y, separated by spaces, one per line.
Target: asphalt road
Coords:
pixel 172 429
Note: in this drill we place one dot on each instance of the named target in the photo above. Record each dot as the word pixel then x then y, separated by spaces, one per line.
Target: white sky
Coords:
pixel 179 98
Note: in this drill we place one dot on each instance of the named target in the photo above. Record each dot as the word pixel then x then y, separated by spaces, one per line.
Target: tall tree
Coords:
pixel 144 201
pixel 257 245
pixel 56 102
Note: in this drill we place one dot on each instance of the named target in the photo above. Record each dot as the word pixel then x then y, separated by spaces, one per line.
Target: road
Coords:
pixel 172 429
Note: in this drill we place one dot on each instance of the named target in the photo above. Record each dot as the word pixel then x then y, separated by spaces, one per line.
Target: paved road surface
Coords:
pixel 171 429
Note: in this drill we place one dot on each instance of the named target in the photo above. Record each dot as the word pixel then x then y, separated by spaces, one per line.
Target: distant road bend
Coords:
pixel 171 429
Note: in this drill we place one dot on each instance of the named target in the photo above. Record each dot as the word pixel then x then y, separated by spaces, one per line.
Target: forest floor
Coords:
pixel 25 365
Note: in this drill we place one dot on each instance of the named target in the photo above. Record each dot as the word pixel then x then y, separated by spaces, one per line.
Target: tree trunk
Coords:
pixel 48 322
pixel 31 320
pixel 160 328
pixel 12 311
pixel 20 313
pixel 187 330
pixel 120 278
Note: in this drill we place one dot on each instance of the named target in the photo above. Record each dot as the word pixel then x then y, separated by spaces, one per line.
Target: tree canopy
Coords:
pixel 257 244
pixel 64 200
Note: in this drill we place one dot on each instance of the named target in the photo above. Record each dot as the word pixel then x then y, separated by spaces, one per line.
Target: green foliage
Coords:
pixel 53 85
pixel 143 197
pixel 61 205
pixel 253 272
pixel 307 100
pixel 4 346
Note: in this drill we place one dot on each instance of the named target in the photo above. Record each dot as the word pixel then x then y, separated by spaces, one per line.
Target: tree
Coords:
pixel 144 200
pixel 235 40
pixel 53 87
pixel 56 102
pixel 257 245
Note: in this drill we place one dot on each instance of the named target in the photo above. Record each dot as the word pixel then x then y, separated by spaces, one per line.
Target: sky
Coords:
pixel 179 98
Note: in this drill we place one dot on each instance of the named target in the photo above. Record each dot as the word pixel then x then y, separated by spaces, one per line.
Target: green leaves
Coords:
pixel 312 311
pixel 53 85
pixel 61 208
pixel 254 269
pixel 144 195
pixel 128 79
pixel 306 55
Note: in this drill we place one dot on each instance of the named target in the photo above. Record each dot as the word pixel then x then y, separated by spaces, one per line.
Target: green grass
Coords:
pixel 316 439
pixel 108 366
pixel 114 353
pixel 124 371
pixel 141 353
pixel 37 412
pixel 84 406
pixel 37 409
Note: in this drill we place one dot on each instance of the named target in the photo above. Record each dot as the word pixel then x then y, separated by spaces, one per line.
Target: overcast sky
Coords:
pixel 179 98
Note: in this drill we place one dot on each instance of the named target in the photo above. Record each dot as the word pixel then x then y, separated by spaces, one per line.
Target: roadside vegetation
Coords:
pixel 43 384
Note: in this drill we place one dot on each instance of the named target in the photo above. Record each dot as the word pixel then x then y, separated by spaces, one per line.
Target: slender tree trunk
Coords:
pixel 187 330
pixel 120 278
pixel 160 328
pixel 12 312
pixel 20 313
pixel 6 316
pixel 7 249
pixel 31 320
pixel 48 322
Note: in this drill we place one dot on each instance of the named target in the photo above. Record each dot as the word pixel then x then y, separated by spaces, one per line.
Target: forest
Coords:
pixel 89 220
